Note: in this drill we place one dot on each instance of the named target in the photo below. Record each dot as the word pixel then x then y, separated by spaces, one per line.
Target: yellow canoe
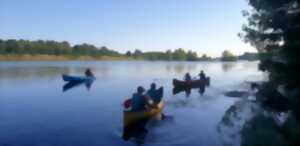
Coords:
pixel 130 117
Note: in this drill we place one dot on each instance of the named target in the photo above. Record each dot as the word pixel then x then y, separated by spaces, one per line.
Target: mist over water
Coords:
pixel 34 110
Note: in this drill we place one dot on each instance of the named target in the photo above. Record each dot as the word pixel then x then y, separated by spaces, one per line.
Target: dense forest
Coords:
pixel 49 47
pixel 52 48
pixel 40 47
pixel 178 55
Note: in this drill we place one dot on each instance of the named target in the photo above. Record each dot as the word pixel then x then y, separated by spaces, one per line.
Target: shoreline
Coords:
pixel 40 57
pixel 28 57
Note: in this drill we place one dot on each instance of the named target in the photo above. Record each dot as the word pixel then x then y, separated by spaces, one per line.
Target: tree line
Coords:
pixel 178 54
pixel 49 47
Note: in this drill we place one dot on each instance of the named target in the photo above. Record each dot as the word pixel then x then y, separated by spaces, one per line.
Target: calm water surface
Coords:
pixel 34 111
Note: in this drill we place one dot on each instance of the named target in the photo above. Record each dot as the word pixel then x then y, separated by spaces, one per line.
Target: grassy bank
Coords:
pixel 57 58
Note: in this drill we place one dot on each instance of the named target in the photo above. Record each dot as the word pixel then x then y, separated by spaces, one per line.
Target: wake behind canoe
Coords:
pixel 191 84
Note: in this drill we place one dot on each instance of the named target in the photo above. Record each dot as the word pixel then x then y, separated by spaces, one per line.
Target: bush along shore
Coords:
pixel 53 50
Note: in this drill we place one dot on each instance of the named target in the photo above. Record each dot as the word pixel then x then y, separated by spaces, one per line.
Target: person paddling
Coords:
pixel 187 77
pixel 140 101
pixel 152 92
pixel 89 73
pixel 202 75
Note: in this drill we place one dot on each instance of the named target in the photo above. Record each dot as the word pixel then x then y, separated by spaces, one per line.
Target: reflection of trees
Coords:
pixel 168 68
pixel 32 72
pixel 271 129
pixel 248 64
pixel 179 68
pixel 232 122
pixel 246 123
pixel 227 66
pixel 191 66
pixel 48 72
pixel 261 130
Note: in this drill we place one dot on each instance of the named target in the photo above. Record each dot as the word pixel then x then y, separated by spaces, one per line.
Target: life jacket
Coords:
pixel 138 102
pixel 153 94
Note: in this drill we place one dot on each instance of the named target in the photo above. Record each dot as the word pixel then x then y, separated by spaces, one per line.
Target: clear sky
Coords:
pixel 205 26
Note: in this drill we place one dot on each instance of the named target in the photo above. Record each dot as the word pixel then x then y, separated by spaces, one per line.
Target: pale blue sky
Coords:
pixel 205 26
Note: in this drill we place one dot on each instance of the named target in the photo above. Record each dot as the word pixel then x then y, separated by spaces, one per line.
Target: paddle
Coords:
pixel 195 77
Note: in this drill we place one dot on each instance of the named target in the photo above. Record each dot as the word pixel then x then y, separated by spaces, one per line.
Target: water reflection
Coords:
pixel 137 131
pixel 227 66
pixel 179 68
pixel 69 85
pixel 271 129
pixel 177 90
pixel 16 73
pixel 248 123
pixel 202 90
pixel 234 119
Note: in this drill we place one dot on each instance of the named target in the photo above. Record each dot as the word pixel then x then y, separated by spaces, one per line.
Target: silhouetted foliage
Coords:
pixel 137 53
pixel 228 56
pixel 249 56
pixel 273 28
pixel 204 57
pixel 128 54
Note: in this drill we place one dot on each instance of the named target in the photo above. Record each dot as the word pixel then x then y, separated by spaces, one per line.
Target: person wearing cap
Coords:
pixel 140 101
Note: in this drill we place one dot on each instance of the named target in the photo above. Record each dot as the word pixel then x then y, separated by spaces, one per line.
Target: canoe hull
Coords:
pixel 191 84
pixel 130 117
pixel 69 78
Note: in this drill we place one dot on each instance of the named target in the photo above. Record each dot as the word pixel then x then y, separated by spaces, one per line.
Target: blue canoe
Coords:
pixel 69 78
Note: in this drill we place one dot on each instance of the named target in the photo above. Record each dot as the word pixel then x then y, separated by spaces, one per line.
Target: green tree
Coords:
pixel 2 47
pixel 249 56
pixel 179 54
pixel 168 55
pixel 228 56
pixel 273 28
pixel 128 54
pixel 137 53
pixel 204 57
pixel 191 56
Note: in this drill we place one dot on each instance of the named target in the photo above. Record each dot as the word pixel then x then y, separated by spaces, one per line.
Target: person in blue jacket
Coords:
pixel 153 93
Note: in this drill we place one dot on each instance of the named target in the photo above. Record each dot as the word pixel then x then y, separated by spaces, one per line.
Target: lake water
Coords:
pixel 34 110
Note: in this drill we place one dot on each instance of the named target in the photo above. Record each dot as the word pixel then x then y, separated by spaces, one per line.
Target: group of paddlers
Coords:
pixel 188 77
pixel 142 100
